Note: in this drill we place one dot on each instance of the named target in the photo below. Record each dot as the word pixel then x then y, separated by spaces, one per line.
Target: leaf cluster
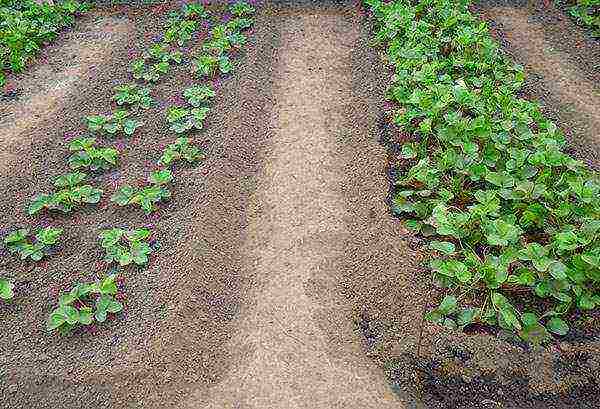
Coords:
pixel 87 156
pixel 20 242
pixel 182 119
pixel 182 149
pixel 84 304
pixel 133 95
pixel 118 122
pixel 147 196
pixel 126 246
pixel 70 194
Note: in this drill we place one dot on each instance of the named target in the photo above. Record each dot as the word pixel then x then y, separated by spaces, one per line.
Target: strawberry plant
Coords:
pixel 208 65
pixel 133 95
pixel 238 24
pixel 147 196
pixel 241 9
pixel 160 53
pixel 183 119
pixel 180 150
pixel 88 156
pixel 126 246
pixel 71 194
pixel 198 95
pixel 45 240
pixel 151 73
pixel 511 216
pixel 194 11
pixel 587 13
pixel 6 289
pixel 119 121
pixel 85 303
pixel 180 31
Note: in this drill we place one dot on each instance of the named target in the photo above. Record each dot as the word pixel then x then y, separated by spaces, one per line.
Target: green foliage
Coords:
pixel 133 96
pixel 207 65
pixel 156 62
pixel 118 122
pixel 147 196
pixel 87 156
pixel 241 9
pixel 6 289
pixel 486 175
pixel 194 11
pixel 84 304
pixel 182 149
pixel 587 13
pixel 126 246
pixel 26 26
pixel 70 194
pixel 198 95
pixel 183 119
pixel 20 243
pixel 180 30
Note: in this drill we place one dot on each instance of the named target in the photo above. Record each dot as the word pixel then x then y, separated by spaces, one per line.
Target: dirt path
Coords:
pixel 294 240
pixel 568 93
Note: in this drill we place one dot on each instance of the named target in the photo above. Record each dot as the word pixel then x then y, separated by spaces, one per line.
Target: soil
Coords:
pixel 280 279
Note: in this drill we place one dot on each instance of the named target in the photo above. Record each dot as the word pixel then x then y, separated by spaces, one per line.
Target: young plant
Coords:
pixel 180 31
pixel 6 289
pixel 85 303
pixel 208 65
pixel 126 246
pixel 198 95
pixel 160 53
pixel 119 121
pixel 133 95
pixel 194 11
pixel 147 196
pixel 151 73
pixel 88 156
pixel 180 150
pixel 241 9
pixel 20 243
pixel 183 119
pixel 70 195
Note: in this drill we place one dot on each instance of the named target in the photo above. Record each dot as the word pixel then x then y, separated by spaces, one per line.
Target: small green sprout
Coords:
pixel 148 196
pixel 126 246
pixel 181 150
pixel 198 95
pixel 6 289
pixel 45 240
pixel 119 121
pixel 88 156
pixel 182 119
pixel 70 194
pixel 133 95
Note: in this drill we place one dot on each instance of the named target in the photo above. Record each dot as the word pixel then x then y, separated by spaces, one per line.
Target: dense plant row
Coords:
pixel 514 222
pixel 585 12
pixel 126 247
pixel 25 26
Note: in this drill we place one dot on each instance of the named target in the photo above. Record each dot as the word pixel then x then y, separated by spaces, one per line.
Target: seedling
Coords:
pixel 88 156
pixel 160 53
pixel 194 11
pixel 241 9
pixel 183 119
pixel 133 95
pixel 147 196
pixel 181 150
pixel 180 31
pixel 118 122
pixel 150 73
pixel 198 95
pixel 85 303
pixel 69 196
pixel 20 243
pixel 126 246
pixel 207 65
pixel 6 289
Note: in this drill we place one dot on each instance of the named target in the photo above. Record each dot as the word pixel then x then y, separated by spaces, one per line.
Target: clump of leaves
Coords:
pixel 182 149
pixel 126 246
pixel 208 65
pixel 194 11
pixel 241 9
pixel 180 31
pixel 512 216
pixel 70 194
pixel 155 62
pixel 119 121
pixel 147 196
pixel 587 13
pixel 133 95
pixel 6 289
pixel 20 242
pixel 88 156
pixel 84 304
pixel 182 119
pixel 198 95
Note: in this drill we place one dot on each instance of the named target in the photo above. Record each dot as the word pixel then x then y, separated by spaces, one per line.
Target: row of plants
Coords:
pixel 26 26
pixel 585 12
pixel 513 221
pixel 87 302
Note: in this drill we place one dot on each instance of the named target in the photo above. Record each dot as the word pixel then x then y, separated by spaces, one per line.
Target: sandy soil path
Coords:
pixel 294 239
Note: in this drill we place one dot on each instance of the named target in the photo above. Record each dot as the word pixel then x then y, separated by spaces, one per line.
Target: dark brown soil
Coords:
pixel 178 311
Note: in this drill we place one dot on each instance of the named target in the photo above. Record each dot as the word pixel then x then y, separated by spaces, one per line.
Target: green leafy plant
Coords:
pixel 118 122
pixel 180 31
pixel 198 95
pixel 241 9
pixel 207 65
pixel 87 156
pixel 183 119
pixel 194 11
pixel 71 193
pixel 587 13
pixel 182 149
pixel 133 95
pixel 126 246
pixel 510 215
pixel 147 196
pixel 6 289
pixel 45 240
pixel 84 304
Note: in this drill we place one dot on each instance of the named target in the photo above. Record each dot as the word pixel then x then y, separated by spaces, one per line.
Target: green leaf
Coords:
pixel 6 289
pixel 443 246
pixel 448 305
pixel 557 326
